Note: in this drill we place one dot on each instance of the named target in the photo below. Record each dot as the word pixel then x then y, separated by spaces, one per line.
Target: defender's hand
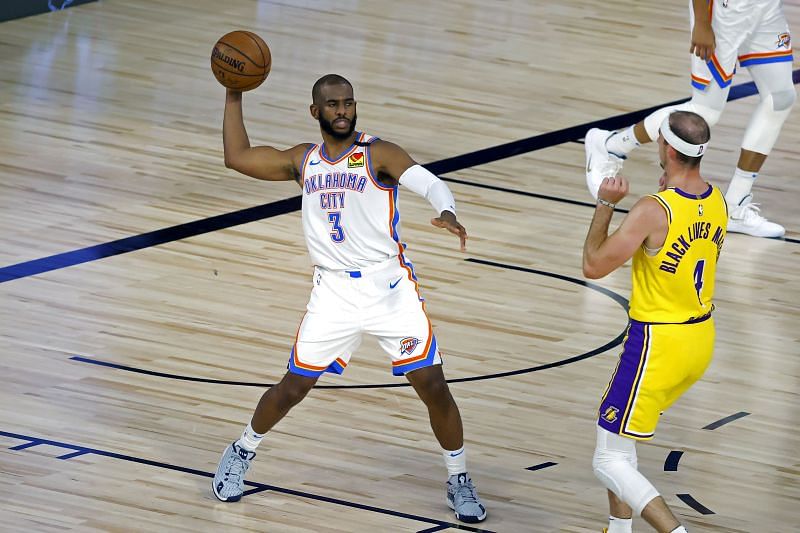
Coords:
pixel 613 190
pixel 447 220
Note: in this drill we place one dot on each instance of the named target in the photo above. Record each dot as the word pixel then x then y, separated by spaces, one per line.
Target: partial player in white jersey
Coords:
pixel 362 281
pixel 754 33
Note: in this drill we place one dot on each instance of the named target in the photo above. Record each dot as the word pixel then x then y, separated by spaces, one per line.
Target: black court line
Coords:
pixel 621 300
pixel 433 529
pixel 671 463
pixel 726 420
pixel 541 466
pixel 694 504
pixel 288 205
pixel 259 486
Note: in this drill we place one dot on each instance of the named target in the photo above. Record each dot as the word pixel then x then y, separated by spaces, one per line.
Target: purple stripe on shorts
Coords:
pixel 614 406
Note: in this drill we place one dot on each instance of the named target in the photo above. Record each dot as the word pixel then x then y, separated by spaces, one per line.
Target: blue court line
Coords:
pixel 618 298
pixel 694 504
pixel 30 444
pixel 260 486
pixel 726 420
pixel 288 205
pixel 671 463
pixel 146 240
pixel 541 466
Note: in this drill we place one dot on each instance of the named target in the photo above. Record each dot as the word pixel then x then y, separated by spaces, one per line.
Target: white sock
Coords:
pixel 250 439
pixel 740 186
pixel 620 525
pixel 455 461
pixel 622 142
pixel 679 529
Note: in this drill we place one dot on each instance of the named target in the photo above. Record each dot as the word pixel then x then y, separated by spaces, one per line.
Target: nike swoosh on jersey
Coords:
pixel 393 285
pixel 314 162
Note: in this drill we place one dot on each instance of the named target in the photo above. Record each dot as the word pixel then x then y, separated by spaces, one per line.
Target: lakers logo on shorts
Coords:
pixel 784 40
pixel 610 414
pixel 356 160
pixel 408 345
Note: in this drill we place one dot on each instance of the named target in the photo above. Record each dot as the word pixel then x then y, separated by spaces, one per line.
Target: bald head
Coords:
pixel 325 81
pixel 693 129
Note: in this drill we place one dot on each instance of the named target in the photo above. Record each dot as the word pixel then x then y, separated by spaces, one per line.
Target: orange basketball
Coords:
pixel 241 60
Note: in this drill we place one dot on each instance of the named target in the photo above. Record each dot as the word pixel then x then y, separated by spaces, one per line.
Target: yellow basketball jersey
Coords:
pixel 676 284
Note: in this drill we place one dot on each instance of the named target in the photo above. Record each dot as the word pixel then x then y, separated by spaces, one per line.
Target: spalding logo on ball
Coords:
pixel 241 60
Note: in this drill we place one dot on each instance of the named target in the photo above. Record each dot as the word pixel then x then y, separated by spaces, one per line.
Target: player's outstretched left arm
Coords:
pixel 604 253
pixel 392 161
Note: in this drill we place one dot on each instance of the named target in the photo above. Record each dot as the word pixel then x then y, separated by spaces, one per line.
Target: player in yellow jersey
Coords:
pixel 674 238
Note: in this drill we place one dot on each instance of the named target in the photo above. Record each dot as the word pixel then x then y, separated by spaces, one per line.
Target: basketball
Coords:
pixel 241 60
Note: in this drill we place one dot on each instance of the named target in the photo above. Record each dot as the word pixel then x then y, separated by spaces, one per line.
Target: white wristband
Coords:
pixel 423 182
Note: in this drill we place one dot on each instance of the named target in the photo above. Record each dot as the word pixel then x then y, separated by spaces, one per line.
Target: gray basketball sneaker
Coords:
pixel 463 499
pixel 228 482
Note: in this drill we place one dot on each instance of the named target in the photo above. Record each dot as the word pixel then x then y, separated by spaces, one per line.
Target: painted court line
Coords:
pixel 258 487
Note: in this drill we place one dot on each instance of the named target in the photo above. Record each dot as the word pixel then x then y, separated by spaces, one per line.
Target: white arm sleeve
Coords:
pixel 426 184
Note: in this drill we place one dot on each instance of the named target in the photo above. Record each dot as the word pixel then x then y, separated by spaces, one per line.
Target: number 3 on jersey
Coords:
pixel 337 234
pixel 698 278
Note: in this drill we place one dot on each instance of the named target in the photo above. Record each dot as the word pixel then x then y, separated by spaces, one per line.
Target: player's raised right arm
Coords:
pixel 261 162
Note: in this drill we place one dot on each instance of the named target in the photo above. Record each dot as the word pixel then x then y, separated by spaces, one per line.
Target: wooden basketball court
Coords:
pixel 148 295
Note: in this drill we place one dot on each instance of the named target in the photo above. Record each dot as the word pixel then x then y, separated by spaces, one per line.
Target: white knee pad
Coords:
pixel 614 465
pixel 708 104
pixel 768 118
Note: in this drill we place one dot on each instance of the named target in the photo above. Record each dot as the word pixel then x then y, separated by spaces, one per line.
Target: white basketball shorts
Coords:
pixel 754 32
pixel 382 300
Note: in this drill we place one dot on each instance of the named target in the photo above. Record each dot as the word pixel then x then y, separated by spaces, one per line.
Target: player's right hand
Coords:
pixel 703 41
pixel 612 190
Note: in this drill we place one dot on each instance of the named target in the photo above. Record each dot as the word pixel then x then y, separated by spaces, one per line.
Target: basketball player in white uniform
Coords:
pixel 754 33
pixel 362 281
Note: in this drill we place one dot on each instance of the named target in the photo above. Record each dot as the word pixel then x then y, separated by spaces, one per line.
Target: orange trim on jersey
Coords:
pixel 700 80
pixel 346 154
pixel 375 180
pixel 762 55
pixel 416 285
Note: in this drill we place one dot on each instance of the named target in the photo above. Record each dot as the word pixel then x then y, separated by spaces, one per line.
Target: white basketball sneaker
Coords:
pixel 745 218
pixel 599 162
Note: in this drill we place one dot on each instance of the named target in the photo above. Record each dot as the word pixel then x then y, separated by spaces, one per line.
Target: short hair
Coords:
pixel 327 79
pixel 693 129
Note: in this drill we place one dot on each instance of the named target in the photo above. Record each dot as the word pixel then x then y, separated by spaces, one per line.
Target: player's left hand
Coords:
pixel 613 190
pixel 447 220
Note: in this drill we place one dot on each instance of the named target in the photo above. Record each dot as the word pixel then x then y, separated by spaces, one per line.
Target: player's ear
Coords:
pixel 314 111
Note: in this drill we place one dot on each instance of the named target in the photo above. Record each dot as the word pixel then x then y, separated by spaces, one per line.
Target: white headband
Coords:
pixel 686 148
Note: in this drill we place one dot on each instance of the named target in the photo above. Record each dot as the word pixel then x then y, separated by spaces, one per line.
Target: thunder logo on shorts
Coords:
pixel 408 345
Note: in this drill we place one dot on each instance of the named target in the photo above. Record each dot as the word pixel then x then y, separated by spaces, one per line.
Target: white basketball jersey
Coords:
pixel 350 220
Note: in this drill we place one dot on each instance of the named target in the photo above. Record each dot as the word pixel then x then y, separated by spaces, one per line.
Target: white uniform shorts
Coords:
pixel 382 300
pixel 754 32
